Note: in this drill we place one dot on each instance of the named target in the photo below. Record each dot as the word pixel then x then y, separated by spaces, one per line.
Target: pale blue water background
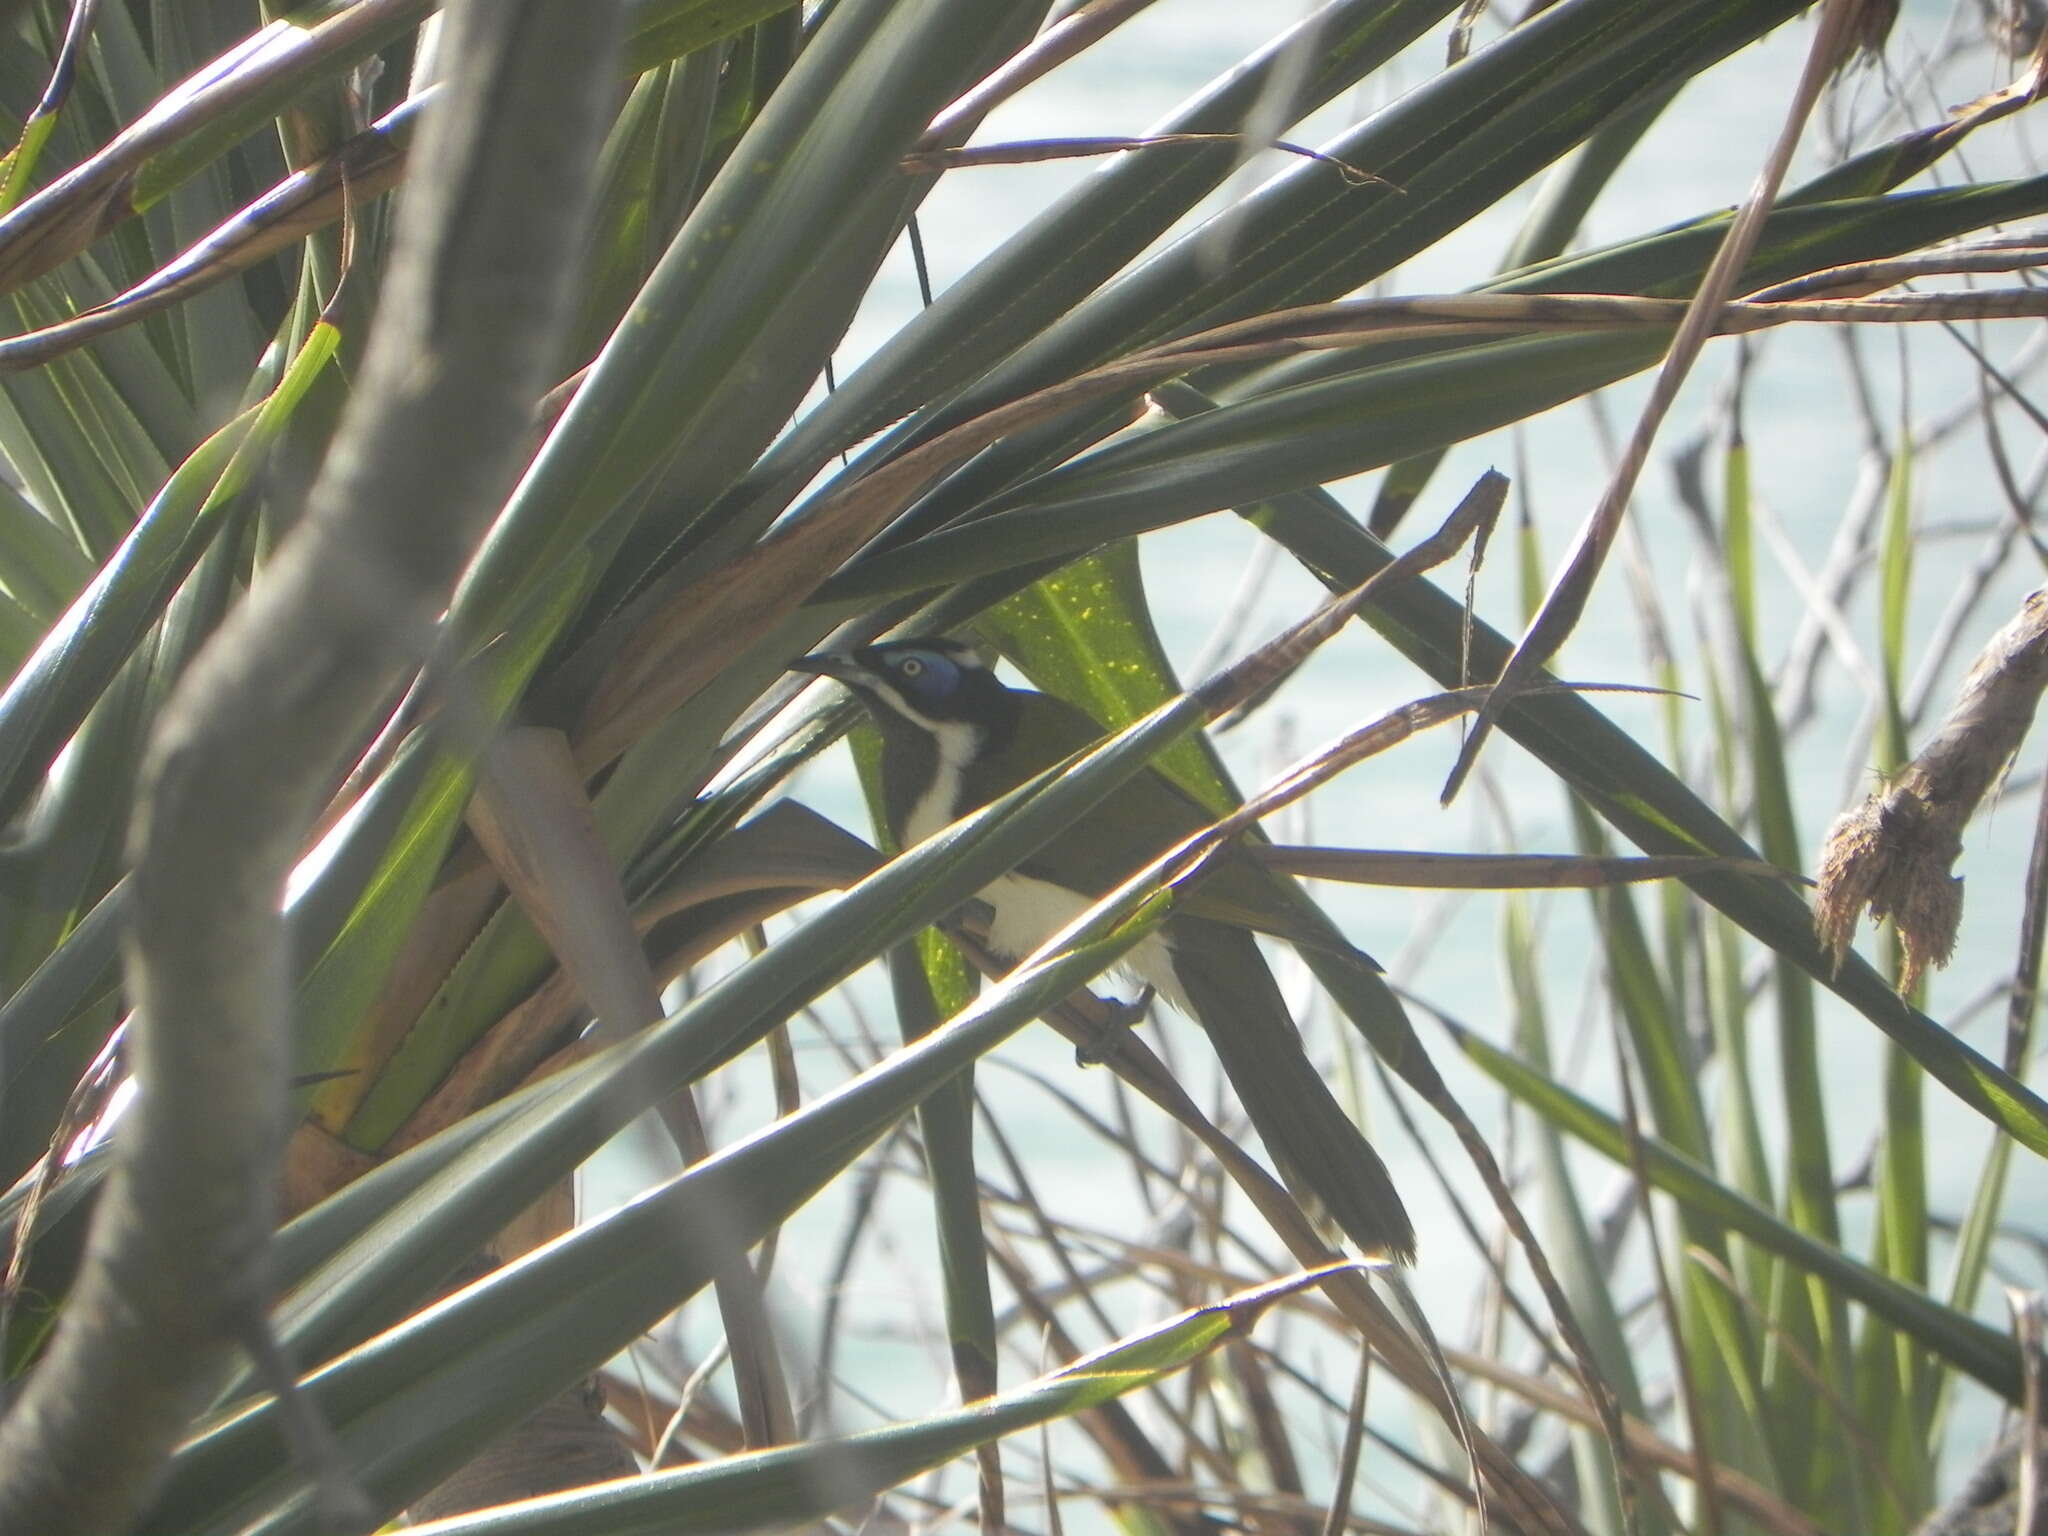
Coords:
pixel 1807 448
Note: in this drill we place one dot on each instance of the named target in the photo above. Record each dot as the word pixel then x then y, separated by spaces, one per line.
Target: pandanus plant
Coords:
pixel 425 454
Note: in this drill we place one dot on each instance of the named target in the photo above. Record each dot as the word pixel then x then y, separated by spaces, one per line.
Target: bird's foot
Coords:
pixel 1110 1026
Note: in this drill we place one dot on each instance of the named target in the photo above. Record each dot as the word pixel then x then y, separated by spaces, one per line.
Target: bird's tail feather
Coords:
pixel 1314 1143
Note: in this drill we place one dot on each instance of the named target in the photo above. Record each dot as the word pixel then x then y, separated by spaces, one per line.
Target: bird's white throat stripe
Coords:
pixel 939 806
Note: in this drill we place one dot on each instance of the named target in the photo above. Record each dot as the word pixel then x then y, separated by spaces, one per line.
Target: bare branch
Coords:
pixel 262 724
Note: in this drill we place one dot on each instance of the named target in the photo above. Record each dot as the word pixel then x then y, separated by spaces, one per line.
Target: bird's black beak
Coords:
pixel 827 664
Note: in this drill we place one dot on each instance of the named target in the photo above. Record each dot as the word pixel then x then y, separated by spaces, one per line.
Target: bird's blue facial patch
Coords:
pixel 924 677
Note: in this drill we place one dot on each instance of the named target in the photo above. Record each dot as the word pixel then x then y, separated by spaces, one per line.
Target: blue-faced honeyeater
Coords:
pixel 955 737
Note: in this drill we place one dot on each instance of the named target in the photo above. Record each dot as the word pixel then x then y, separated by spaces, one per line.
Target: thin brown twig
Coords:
pixel 1036 151
pixel 1078 30
pixel 1566 601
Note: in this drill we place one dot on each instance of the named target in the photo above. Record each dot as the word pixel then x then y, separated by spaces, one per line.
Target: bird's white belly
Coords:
pixel 1029 911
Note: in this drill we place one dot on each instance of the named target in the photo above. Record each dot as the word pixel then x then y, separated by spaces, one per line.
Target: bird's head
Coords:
pixel 929 682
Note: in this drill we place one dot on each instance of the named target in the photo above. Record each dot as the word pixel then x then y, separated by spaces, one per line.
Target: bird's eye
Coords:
pixel 910 666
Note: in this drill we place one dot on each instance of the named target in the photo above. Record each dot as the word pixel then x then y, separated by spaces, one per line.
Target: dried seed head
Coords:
pixel 1893 853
